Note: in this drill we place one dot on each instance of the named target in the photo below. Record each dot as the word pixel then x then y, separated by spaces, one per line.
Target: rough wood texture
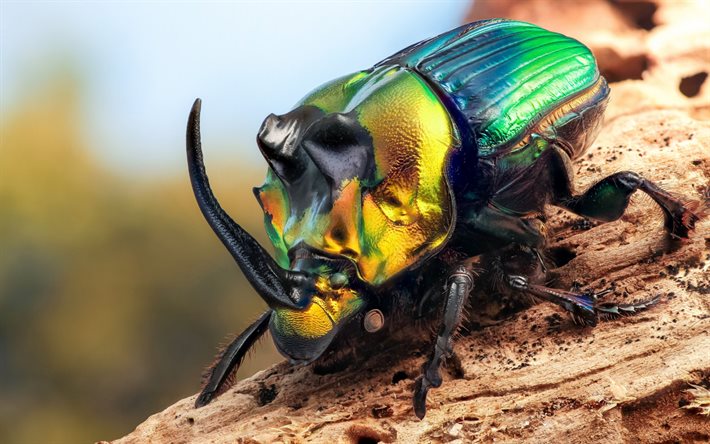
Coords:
pixel 536 376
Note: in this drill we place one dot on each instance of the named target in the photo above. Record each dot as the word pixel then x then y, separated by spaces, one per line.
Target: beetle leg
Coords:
pixel 218 378
pixel 540 261
pixel 493 222
pixel 459 285
pixel 607 200
pixel 583 306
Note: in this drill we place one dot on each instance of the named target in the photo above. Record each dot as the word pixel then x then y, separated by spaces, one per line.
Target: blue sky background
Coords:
pixel 141 64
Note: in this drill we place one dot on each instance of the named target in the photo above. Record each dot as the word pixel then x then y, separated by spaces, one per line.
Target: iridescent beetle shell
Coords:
pixel 423 116
pixel 384 185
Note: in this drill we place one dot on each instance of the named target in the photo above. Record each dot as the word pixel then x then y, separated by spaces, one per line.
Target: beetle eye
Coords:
pixel 338 280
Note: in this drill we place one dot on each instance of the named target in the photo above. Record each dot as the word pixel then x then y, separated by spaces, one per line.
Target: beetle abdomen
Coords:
pixel 509 78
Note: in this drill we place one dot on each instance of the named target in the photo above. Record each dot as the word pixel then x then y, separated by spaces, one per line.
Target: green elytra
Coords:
pixel 504 75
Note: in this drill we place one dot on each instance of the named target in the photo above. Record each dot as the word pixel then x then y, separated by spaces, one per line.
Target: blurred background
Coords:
pixel 114 293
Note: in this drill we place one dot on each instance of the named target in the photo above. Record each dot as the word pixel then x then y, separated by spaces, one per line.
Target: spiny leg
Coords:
pixel 458 287
pixel 522 269
pixel 221 373
pixel 583 306
pixel 607 200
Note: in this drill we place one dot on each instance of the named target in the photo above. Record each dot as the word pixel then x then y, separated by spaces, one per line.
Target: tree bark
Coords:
pixel 537 376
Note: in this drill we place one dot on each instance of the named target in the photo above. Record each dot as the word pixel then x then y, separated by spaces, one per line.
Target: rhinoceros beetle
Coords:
pixel 383 183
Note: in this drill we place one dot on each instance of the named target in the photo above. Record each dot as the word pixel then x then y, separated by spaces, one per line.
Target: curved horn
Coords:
pixel 278 287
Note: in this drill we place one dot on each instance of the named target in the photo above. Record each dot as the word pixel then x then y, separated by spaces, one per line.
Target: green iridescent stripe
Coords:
pixel 488 49
pixel 544 86
pixel 456 41
pixel 498 52
pixel 504 75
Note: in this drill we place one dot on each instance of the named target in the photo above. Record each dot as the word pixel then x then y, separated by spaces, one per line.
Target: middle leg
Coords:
pixel 584 307
pixel 521 269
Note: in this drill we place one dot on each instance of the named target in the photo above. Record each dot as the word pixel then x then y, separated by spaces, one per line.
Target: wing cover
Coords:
pixel 504 76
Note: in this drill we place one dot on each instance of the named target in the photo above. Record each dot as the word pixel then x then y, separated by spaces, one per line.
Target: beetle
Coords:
pixel 383 184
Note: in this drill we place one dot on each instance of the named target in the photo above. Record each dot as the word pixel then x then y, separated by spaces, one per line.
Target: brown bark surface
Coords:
pixel 537 376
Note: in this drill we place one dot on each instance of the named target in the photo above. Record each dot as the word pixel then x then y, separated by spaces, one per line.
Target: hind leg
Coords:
pixel 607 201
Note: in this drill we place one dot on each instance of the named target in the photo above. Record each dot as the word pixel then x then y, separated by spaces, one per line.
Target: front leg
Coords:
pixel 221 375
pixel 458 287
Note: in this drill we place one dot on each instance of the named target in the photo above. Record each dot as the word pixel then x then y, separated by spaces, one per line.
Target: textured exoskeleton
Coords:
pixel 380 181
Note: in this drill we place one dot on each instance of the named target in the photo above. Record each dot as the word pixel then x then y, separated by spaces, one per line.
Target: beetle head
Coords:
pixel 356 192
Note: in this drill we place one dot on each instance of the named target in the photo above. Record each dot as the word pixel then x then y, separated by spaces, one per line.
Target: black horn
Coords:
pixel 278 287
pixel 279 139
pixel 340 148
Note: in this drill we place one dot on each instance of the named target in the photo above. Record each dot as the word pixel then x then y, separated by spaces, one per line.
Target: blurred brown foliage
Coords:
pixel 114 293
